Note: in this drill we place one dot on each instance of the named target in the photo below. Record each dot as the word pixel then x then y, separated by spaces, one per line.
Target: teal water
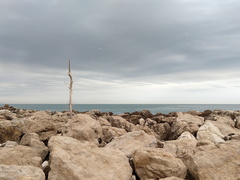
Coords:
pixel 122 108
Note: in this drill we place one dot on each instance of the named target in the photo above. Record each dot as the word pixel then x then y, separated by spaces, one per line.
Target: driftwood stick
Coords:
pixel 70 88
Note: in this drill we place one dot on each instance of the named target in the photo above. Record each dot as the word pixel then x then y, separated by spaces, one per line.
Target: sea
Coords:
pixel 123 108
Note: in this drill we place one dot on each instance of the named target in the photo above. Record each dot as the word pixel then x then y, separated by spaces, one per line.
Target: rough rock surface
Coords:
pixel 81 160
pixel 15 172
pixel 44 128
pixel 185 122
pixel 210 132
pixel 180 148
pixel 156 163
pixel 19 155
pixel 9 132
pixel 32 140
pixel 130 142
pixel 214 163
pixel 98 145
pixel 109 133
pixel 84 127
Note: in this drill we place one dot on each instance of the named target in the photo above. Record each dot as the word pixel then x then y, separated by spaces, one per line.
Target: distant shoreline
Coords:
pixel 123 108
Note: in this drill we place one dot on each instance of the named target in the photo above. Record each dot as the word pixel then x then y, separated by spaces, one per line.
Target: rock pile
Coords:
pixel 39 145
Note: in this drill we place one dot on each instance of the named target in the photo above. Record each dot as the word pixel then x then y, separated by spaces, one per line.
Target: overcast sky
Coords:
pixel 121 51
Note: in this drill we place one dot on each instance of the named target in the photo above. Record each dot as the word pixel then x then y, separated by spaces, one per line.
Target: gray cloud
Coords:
pixel 128 41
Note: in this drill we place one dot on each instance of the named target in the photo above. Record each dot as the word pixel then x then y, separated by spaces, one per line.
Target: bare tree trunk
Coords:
pixel 70 88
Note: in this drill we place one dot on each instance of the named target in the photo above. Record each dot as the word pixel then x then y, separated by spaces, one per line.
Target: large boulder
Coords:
pixel 185 122
pixel 15 172
pixel 221 119
pixel 214 163
pixel 7 115
pixel 73 159
pixel 210 132
pixel 109 133
pixel 237 122
pixel 180 148
pixel 44 128
pixel 9 131
pixel 32 140
pixel 20 155
pixel 84 127
pixel 119 122
pixel 156 163
pixel 131 141
pixel 161 131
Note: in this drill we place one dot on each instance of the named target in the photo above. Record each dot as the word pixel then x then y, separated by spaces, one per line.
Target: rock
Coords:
pixel 214 163
pixel 186 135
pixel 180 148
pixel 9 132
pixel 32 140
pixel 103 121
pixel 206 113
pixel 156 163
pixel 221 119
pixel 120 122
pixel 46 167
pixel 141 121
pixel 44 128
pixel 10 144
pixel 237 122
pixel 19 155
pixel 15 172
pixel 185 122
pixel 87 161
pixel 144 114
pixel 109 133
pixel 84 127
pixel 161 131
pixel 7 115
pixel 131 141
pixel 225 129
pixel 172 178
pixel 210 132
pixel 149 122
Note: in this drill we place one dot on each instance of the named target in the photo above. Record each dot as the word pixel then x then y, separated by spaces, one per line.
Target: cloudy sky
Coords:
pixel 121 51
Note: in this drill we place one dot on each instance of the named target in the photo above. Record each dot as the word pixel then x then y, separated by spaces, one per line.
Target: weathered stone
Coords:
pixel 19 155
pixel 210 132
pixel 72 159
pixel 171 178
pixel 221 119
pixel 156 163
pixel 103 121
pixel 120 122
pixel 225 129
pixel 84 127
pixel 186 135
pixel 109 133
pixel 237 122
pixel 215 163
pixel 10 144
pixel 185 122
pixel 9 132
pixel 161 131
pixel 15 172
pixel 180 148
pixel 130 142
pixel 206 113
pixel 44 128
pixel 32 140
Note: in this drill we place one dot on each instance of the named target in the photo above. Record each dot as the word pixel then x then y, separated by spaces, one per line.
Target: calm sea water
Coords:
pixel 122 108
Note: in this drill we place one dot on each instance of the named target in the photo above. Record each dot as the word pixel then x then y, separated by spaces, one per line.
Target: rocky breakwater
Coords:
pixel 38 145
